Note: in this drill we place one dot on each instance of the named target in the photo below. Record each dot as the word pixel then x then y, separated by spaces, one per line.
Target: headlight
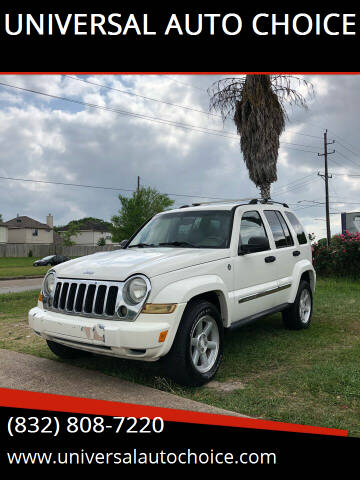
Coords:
pixel 49 283
pixel 135 290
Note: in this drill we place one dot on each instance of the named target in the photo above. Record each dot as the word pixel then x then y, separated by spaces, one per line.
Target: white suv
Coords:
pixel 181 280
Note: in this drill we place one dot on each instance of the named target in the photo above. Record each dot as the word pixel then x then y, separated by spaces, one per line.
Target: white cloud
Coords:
pixel 52 140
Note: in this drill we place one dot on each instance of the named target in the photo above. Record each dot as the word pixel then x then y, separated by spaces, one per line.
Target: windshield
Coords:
pixel 191 229
pixel 47 258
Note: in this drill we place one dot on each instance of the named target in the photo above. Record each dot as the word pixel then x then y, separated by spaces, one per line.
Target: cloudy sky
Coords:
pixel 52 139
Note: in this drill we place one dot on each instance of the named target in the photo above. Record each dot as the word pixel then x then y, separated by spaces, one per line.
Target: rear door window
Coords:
pixel 280 231
pixel 288 236
pixel 251 226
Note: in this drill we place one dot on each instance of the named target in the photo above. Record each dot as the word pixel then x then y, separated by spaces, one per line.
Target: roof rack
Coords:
pixel 254 201
pixel 230 200
pixel 250 201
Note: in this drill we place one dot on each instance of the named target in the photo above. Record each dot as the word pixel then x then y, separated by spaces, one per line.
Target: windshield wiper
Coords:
pixel 177 244
pixel 141 245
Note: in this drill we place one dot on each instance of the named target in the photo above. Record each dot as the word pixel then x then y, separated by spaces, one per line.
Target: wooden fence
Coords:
pixel 39 251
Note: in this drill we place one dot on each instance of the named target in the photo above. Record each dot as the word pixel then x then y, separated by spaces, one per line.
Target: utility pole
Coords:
pixel 138 184
pixel 326 178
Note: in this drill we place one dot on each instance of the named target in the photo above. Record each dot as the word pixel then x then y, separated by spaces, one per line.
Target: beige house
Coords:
pixel 90 233
pixel 3 233
pixel 23 229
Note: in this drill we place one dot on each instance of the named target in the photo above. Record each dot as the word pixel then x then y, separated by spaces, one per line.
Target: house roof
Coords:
pixel 25 222
pixel 86 226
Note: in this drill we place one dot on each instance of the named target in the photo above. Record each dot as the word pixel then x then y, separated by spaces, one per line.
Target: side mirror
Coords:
pixel 255 244
pixel 123 243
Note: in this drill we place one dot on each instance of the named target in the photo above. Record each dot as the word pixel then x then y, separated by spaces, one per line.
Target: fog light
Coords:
pixel 122 311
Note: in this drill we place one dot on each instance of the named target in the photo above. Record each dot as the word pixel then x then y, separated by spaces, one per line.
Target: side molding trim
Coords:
pixel 263 294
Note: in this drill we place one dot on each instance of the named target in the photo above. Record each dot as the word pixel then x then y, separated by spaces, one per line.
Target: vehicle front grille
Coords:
pixel 85 297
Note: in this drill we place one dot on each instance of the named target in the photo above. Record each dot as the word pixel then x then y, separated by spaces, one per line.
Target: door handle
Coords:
pixel 270 259
pixel 296 253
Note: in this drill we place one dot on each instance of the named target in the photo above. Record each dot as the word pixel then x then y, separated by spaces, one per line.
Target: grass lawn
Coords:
pixel 310 376
pixel 20 267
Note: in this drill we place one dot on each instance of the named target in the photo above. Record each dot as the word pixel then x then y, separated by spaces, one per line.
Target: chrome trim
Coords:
pixel 133 311
pixel 263 294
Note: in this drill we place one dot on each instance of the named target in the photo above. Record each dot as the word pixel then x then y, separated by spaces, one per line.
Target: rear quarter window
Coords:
pixel 299 230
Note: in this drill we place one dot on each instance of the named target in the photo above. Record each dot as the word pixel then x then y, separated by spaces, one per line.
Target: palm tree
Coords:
pixel 257 105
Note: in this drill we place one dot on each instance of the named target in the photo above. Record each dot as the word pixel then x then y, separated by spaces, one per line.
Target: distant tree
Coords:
pixel 1 219
pixel 72 231
pixel 136 209
pixel 101 242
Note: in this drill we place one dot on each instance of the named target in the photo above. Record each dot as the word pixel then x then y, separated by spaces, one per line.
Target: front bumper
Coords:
pixel 139 339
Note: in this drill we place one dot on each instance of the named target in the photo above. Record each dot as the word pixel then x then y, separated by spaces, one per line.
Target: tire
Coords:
pixel 197 351
pixel 63 351
pixel 298 316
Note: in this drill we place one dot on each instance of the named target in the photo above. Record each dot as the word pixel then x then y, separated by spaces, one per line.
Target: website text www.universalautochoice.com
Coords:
pixel 134 457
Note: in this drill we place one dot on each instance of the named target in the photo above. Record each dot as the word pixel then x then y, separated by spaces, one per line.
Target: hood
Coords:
pixel 121 264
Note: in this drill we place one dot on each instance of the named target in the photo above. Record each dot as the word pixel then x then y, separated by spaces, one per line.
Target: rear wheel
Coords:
pixel 196 353
pixel 298 316
pixel 63 351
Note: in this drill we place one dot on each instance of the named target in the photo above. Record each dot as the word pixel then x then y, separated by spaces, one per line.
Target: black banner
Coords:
pixel 231 37
pixel 36 439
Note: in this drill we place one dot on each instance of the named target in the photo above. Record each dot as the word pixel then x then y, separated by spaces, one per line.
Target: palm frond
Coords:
pixel 257 104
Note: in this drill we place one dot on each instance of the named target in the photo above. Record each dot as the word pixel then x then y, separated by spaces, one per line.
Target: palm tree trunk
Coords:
pixel 265 191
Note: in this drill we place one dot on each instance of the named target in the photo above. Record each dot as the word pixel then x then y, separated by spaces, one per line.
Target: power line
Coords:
pixel 185 83
pixel 334 161
pixel 112 188
pixel 171 104
pixel 346 148
pixel 347 158
pixel 281 187
pixel 295 187
pixel 104 188
pixel 141 96
pixel 346 174
pixel 302 185
pixel 344 141
pixel 303 134
pixel 338 137
pixel 126 113
pixel 195 128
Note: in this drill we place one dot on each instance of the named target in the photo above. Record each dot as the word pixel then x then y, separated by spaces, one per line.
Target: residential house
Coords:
pixel 23 229
pixel 90 232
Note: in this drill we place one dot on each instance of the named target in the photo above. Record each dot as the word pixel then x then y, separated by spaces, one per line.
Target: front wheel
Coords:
pixel 196 353
pixel 298 316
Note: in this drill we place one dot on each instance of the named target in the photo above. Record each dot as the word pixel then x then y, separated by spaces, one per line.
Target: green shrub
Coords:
pixel 30 254
pixel 341 258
